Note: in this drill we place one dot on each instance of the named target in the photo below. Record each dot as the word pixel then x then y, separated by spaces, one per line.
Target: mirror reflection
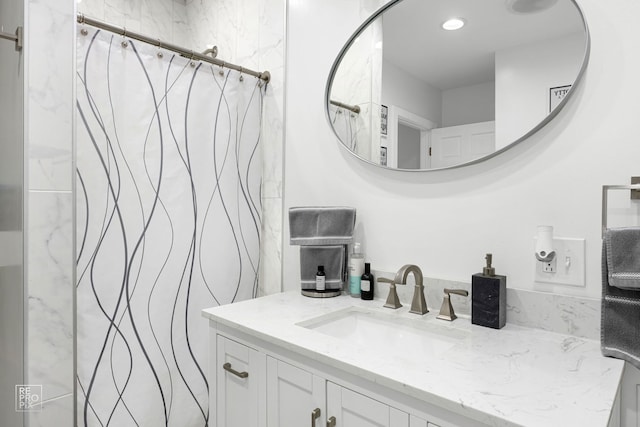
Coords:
pixel 407 92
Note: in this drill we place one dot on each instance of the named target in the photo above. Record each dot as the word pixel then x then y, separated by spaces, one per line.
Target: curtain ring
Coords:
pixel 124 43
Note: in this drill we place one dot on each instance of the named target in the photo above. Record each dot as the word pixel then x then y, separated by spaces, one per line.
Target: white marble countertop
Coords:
pixel 514 376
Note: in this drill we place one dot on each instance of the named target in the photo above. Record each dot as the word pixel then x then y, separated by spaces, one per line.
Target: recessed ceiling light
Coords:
pixel 453 24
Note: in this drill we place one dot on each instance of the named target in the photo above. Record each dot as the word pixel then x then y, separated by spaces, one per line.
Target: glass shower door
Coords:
pixel 12 289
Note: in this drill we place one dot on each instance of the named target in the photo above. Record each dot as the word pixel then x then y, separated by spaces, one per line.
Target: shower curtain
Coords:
pixel 168 173
pixel 345 124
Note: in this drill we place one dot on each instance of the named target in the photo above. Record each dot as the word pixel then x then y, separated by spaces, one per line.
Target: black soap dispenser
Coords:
pixel 489 297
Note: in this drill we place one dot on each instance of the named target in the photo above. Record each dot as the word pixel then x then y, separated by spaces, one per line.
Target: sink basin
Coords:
pixel 387 334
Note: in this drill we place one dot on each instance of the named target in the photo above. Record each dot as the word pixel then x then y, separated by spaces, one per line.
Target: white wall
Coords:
pixel 403 90
pixel 445 221
pixel 524 76
pixel 469 104
pixel 451 107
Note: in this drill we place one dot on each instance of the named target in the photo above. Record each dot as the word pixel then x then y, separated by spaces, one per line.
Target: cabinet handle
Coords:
pixel 227 367
pixel 315 414
pixel 331 422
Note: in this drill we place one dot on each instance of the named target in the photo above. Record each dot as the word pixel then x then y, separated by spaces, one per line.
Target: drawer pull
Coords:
pixel 227 367
pixel 331 422
pixel 315 414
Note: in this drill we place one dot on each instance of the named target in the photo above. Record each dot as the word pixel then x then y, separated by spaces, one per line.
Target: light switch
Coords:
pixel 569 268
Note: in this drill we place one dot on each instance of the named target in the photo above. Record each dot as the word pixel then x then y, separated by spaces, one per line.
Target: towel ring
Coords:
pixel 605 192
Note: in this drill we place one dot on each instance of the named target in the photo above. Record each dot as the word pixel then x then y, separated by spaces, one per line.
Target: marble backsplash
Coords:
pixel 563 314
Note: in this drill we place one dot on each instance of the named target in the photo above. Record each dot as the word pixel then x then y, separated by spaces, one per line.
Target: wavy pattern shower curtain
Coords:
pixel 168 172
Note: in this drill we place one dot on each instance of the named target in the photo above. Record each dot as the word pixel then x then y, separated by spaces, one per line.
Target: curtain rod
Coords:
pixel 354 108
pixel 265 75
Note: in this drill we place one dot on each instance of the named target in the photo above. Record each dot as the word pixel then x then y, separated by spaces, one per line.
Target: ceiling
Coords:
pixel 415 41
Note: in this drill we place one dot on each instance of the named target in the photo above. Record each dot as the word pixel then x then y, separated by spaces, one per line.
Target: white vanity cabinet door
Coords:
pixel 418 422
pixel 630 399
pixel 240 402
pixel 352 409
pixel 293 395
pixel 459 144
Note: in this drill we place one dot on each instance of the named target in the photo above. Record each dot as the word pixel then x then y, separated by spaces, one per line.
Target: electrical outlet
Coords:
pixel 568 266
pixel 550 267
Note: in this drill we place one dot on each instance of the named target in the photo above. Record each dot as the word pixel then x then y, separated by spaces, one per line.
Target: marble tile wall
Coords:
pixel 50 80
pixel 358 82
pixel 49 136
pixel 56 412
pixel 271 56
pixel 354 85
pixel 50 255
pixel 163 19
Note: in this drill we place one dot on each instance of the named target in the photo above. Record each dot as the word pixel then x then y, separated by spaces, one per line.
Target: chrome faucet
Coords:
pixel 418 304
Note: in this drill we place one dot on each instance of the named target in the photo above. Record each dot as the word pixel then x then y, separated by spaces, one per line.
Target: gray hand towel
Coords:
pixel 620 319
pixel 322 225
pixel 623 257
pixel 333 258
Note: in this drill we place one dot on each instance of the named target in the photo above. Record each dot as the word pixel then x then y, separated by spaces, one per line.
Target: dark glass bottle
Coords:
pixel 366 283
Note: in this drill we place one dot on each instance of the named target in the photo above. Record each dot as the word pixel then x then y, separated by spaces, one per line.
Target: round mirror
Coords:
pixel 433 84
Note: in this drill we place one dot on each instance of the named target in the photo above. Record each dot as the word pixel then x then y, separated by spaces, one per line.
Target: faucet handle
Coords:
pixel 446 311
pixel 392 300
pixel 462 292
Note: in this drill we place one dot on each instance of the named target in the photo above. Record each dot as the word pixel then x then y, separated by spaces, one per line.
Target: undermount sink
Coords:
pixel 386 334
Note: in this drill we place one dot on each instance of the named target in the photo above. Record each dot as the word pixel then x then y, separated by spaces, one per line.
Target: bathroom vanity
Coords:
pixel 289 361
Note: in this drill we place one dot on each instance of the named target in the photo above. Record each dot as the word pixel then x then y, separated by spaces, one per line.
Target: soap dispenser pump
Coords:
pixel 489 297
